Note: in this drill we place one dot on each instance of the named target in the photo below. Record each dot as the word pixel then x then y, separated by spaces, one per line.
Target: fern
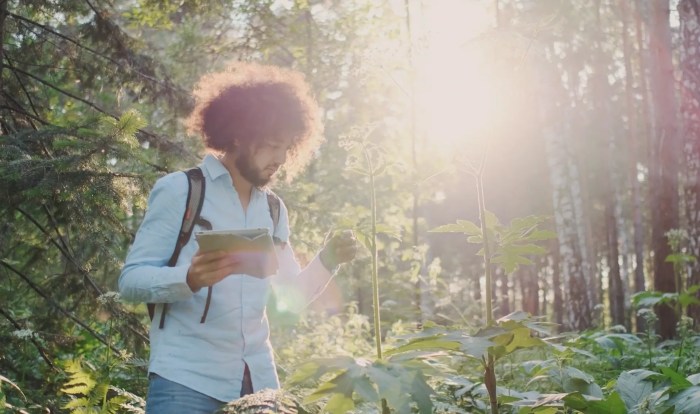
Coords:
pixel 89 395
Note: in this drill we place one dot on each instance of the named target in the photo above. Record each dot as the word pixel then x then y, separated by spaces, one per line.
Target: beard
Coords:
pixel 256 176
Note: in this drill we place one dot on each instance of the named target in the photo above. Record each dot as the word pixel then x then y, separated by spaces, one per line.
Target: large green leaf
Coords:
pixel 687 401
pixel 612 404
pixel 314 369
pixel 649 299
pixel 431 343
pixel 635 386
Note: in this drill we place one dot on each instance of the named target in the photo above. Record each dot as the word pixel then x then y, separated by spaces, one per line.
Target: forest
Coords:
pixel 522 177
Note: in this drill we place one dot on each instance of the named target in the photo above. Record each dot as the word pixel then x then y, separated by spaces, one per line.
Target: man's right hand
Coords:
pixel 209 268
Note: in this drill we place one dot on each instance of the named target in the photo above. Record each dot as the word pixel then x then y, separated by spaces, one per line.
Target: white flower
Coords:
pixel 109 297
pixel 23 333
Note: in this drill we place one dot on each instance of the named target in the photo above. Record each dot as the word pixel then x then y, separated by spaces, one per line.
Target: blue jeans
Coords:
pixel 167 397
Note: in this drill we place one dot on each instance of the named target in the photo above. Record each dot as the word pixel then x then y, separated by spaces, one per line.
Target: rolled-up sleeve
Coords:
pixel 295 288
pixel 146 276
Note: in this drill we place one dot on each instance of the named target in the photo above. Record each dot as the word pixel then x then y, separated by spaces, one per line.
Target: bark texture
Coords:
pixel 663 171
pixel 689 14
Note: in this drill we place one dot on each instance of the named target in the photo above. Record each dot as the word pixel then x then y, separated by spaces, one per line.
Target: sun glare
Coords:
pixel 457 93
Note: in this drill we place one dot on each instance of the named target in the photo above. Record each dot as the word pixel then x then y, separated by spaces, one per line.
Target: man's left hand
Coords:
pixel 341 248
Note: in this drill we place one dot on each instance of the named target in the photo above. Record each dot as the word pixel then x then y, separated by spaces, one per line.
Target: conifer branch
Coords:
pixel 24 89
pixel 63 251
pixel 59 89
pixel 20 111
pixel 58 307
pixel 69 256
pixel 157 138
pixel 96 53
pixel 33 340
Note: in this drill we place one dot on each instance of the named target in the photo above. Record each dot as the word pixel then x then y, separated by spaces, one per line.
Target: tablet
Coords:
pixel 235 240
pixel 254 246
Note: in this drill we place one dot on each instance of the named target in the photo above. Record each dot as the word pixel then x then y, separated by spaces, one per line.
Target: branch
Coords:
pixel 22 112
pixel 86 275
pixel 65 253
pixel 99 109
pixel 95 52
pixel 58 307
pixel 63 91
pixel 33 340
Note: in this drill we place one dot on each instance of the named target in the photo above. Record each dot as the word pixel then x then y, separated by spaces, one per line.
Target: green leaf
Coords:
pixel 420 392
pixel 76 403
pixel 575 400
pixel 425 344
pixel 687 401
pixel 365 390
pixel 388 385
pixel 389 231
pixel 523 249
pixel 541 235
pixel 594 405
pixel 491 220
pixel 511 262
pixel 678 382
pixel 462 226
pixel 680 258
pixel 649 299
pixel 315 368
pixel 693 289
pixel 613 404
pixel 339 403
pixel 686 299
pixel 635 386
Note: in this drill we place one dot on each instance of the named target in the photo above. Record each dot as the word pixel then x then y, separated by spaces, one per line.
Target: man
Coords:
pixel 254 119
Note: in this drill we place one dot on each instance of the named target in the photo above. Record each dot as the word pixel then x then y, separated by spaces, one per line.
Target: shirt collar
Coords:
pixel 213 167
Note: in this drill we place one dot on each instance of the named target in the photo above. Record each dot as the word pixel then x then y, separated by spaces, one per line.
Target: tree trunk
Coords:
pixel 663 171
pixel 567 203
pixel 616 295
pixel 529 288
pixel 558 303
pixel 637 141
pixel 689 13
pixel 505 294
pixel 610 177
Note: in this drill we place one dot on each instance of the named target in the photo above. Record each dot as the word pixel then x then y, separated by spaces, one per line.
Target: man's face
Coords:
pixel 259 161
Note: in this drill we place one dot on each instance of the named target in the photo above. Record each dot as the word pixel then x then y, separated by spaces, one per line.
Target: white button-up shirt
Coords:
pixel 209 357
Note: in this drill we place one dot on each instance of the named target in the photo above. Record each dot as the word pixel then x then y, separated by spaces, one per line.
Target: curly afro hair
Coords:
pixel 248 102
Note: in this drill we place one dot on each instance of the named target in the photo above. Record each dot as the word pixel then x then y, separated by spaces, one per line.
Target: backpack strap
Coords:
pixel 193 209
pixel 274 202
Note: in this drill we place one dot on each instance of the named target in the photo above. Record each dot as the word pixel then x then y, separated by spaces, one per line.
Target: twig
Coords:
pixel 57 306
pixel 33 340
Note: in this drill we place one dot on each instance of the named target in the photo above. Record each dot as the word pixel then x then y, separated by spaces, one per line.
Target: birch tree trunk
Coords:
pixel 558 303
pixel 689 13
pixel 610 178
pixel 567 203
pixel 663 171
